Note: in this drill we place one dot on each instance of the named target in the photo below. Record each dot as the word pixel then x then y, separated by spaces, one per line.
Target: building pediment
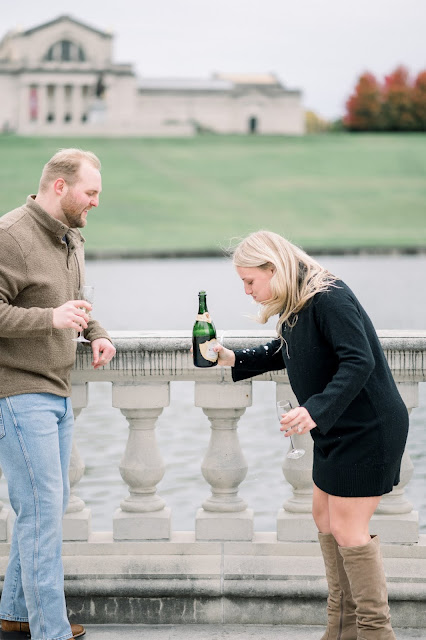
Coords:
pixel 60 41
pixel 66 20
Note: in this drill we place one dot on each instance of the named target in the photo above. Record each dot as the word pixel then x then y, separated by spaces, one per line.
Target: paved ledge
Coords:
pixel 198 584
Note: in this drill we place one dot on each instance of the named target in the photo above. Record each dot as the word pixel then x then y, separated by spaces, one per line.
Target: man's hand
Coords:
pixel 71 316
pixel 103 351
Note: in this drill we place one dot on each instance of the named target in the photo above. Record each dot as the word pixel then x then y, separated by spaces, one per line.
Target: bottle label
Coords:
pixel 204 317
pixel 206 349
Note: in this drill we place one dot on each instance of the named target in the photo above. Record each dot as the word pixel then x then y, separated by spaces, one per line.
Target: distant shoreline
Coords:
pixel 166 254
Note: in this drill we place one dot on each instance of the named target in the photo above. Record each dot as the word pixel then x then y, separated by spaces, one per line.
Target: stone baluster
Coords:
pixel 294 520
pixel 394 519
pixel 78 518
pixel 224 515
pixel 5 521
pixel 143 514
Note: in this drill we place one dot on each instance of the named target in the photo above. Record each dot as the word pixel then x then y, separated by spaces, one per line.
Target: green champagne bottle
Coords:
pixel 203 336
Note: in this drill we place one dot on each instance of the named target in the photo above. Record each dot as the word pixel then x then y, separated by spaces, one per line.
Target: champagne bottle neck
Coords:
pixel 202 304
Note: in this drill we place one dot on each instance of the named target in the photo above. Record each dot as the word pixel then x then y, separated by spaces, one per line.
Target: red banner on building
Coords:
pixel 33 103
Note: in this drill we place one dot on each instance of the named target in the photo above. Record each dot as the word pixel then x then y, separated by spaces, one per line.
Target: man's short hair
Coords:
pixel 66 164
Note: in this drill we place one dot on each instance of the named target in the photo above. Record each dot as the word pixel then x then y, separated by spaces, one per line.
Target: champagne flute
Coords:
pixel 87 293
pixel 284 406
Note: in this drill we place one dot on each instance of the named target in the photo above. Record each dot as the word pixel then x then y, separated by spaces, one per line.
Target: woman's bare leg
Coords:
pixel 320 510
pixel 350 518
pixel 346 518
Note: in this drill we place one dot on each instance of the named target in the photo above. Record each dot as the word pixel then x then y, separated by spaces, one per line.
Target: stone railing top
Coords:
pixel 165 355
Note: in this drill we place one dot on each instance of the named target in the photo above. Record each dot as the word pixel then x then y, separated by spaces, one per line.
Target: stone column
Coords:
pixel 294 520
pixel 60 105
pixel 51 104
pixel 77 110
pixel 394 519
pixel 42 106
pixel 143 514
pixel 224 515
pixel 77 521
pixel 24 107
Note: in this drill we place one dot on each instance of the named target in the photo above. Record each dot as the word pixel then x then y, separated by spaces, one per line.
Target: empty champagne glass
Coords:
pixel 284 406
pixel 86 293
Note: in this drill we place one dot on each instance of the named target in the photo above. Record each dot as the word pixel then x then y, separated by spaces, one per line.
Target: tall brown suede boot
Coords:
pixel 364 568
pixel 341 617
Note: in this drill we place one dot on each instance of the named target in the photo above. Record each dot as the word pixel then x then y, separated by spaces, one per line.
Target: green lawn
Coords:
pixel 335 190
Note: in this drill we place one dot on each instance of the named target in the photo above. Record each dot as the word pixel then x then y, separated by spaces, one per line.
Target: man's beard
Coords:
pixel 72 212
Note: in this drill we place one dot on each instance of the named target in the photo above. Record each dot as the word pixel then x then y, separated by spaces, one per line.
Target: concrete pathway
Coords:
pixel 210 632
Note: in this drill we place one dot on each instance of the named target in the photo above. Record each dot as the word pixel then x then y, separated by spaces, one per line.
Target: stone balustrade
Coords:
pixel 141 374
pixel 224 564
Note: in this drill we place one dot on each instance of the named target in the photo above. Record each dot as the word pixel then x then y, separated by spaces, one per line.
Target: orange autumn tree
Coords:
pixel 397 106
pixel 363 108
pixel 419 101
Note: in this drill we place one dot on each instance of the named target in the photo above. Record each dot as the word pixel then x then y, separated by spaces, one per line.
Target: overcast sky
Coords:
pixel 318 46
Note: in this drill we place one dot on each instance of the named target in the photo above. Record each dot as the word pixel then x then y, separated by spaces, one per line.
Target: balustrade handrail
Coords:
pixel 149 354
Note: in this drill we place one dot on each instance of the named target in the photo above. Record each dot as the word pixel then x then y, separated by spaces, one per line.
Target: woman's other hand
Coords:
pixel 226 357
pixel 297 421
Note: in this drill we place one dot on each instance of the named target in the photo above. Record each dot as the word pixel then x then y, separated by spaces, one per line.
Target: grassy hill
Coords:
pixel 336 190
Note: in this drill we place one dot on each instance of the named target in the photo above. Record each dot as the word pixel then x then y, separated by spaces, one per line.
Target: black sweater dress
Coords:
pixel 339 373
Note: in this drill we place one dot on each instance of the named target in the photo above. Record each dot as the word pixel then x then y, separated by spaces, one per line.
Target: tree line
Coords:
pixel 396 104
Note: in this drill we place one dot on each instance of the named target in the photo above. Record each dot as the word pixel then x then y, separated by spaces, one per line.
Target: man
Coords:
pixel 41 273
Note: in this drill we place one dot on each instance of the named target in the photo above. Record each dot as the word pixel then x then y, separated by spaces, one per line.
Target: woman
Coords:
pixel 348 402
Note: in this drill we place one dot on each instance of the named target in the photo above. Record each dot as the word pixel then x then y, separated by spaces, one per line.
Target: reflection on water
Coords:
pixel 136 295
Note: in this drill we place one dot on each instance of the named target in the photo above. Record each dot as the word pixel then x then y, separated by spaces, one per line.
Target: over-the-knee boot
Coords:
pixel 341 618
pixel 364 568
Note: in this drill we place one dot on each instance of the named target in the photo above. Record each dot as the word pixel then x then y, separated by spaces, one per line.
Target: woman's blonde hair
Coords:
pixel 297 277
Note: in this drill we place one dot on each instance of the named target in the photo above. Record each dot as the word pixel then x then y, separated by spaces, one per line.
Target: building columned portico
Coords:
pixel 59 78
pixel 142 570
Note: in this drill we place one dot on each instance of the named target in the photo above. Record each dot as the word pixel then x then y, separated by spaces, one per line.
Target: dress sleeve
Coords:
pixel 340 321
pixel 257 360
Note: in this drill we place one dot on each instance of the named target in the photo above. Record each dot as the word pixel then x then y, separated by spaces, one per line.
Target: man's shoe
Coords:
pixel 13 625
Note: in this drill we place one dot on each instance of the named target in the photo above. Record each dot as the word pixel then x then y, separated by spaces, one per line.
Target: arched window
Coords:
pixel 65 51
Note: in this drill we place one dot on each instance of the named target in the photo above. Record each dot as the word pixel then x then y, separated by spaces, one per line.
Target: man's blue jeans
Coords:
pixel 35 450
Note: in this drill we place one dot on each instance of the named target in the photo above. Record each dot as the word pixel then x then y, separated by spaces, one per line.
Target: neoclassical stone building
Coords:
pixel 58 78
